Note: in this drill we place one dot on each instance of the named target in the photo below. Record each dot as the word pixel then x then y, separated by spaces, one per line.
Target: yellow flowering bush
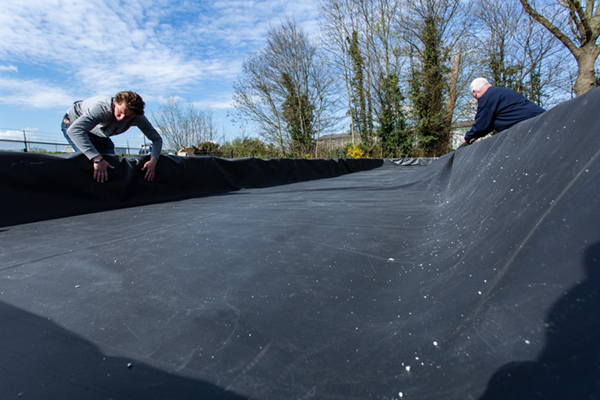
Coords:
pixel 355 152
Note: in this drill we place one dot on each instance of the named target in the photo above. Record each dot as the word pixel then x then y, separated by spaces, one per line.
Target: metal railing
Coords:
pixel 51 147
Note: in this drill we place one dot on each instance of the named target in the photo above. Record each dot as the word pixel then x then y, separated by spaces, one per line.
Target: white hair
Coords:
pixel 478 84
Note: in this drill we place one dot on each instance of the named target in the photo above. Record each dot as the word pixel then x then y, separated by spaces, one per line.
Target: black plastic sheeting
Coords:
pixel 410 161
pixel 39 186
pixel 476 277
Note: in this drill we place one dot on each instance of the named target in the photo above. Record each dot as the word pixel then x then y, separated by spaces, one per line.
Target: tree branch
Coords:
pixel 551 27
pixel 583 25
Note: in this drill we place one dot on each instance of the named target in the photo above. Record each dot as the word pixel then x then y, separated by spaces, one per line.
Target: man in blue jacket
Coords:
pixel 498 109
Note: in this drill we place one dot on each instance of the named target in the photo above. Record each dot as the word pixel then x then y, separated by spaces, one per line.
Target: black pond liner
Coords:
pixel 473 277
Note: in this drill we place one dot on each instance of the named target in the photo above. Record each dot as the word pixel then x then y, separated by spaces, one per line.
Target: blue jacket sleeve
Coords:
pixel 484 121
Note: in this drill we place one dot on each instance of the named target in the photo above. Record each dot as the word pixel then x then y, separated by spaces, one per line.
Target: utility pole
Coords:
pixel 25 140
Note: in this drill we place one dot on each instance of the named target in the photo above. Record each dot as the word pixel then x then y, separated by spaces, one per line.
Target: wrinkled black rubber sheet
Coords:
pixel 475 277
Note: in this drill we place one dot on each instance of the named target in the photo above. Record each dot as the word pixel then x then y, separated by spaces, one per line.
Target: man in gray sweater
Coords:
pixel 89 124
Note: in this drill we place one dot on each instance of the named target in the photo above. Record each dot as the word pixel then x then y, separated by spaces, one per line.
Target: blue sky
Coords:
pixel 54 52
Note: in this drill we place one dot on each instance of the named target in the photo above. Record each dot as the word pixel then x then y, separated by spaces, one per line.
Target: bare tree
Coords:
pixel 337 23
pixel 286 90
pixel 583 20
pixel 363 32
pixel 517 52
pixel 452 94
pixel 183 125
pixel 501 42
pixel 382 53
pixel 256 101
pixel 307 82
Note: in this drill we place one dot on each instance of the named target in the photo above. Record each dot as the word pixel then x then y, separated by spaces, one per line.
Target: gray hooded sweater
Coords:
pixel 95 116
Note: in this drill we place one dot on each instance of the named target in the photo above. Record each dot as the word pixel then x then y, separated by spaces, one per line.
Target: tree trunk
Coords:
pixel 585 28
pixel 586 60
pixel 452 95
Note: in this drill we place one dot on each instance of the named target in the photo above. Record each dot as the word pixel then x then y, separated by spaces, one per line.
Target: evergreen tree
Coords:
pixel 250 147
pixel 428 88
pixel 360 116
pixel 394 135
pixel 504 75
pixel 298 114
pixel 534 92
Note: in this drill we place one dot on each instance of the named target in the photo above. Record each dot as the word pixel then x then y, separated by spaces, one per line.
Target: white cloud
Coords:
pixel 11 135
pixel 33 93
pixel 30 134
pixel 96 46
pixel 222 105
pixel 8 68
pixel 65 50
